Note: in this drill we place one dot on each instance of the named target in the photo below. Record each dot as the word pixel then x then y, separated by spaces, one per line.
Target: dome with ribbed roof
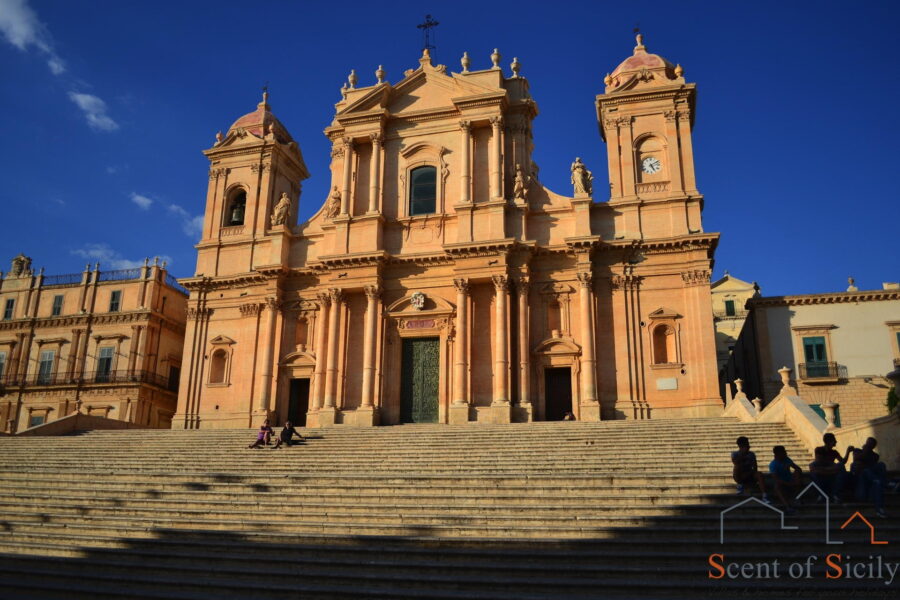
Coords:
pixel 642 67
pixel 261 122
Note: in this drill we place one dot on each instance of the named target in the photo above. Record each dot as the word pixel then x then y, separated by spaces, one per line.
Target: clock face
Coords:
pixel 651 165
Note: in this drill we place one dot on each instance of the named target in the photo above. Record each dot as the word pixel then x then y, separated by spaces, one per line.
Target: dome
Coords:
pixel 644 66
pixel 260 121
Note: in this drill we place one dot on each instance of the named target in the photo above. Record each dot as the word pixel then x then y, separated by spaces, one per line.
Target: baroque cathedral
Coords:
pixel 440 281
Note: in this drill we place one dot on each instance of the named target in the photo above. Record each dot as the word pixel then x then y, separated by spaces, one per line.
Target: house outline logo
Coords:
pixel 871 527
pixel 742 503
pixel 822 493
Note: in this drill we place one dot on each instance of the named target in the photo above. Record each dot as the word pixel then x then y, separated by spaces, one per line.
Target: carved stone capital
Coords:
pixel 251 309
pixel 584 279
pixel 377 139
pixel 522 284
pixel 218 172
pixel 324 298
pixel 337 152
pixel 501 283
pixel 670 115
pixel 272 303
pixel 695 277
pixel 337 295
pixel 461 285
pixel 624 121
pixel 373 291
pixel 625 282
pixel 496 121
pixel 465 126
pixel 347 141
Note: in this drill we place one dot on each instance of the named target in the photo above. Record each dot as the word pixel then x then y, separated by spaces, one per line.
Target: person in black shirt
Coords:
pixel 745 470
pixel 827 470
pixel 286 435
pixel 871 475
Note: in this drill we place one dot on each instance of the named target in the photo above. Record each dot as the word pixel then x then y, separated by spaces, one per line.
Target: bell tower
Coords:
pixel 646 115
pixel 253 195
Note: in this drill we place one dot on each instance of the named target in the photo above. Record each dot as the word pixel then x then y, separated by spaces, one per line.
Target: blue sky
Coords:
pixel 107 105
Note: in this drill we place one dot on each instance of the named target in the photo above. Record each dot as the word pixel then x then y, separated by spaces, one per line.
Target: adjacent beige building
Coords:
pixel 441 281
pixel 838 345
pixel 105 343
pixel 729 299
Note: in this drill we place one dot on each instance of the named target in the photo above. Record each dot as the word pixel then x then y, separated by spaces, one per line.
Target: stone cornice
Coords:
pixel 831 298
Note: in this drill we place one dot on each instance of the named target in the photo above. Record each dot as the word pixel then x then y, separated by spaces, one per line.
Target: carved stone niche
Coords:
pixel 556 307
pixel 664 339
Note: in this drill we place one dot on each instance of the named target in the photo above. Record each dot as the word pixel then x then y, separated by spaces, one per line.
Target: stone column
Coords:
pixel 465 190
pixel 73 353
pixel 318 391
pixel 501 343
pixel 268 343
pixel 348 175
pixel 588 363
pixel 375 173
pixel 135 344
pixel 458 411
pixel 327 413
pixel 524 351
pixel 373 292
pixel 496 182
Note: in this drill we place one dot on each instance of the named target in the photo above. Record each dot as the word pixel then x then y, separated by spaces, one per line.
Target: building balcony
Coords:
pixel 90 378
pixel 738 314
pixel 822 372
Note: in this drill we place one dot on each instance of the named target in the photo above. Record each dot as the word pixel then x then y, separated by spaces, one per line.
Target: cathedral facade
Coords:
pixel 440 281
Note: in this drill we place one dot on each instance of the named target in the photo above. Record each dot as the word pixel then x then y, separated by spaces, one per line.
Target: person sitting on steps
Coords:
pixel 827 470
pixel 286 435
pixel 746 472
pixel 871 476
pixel 263 436
pixel 785 480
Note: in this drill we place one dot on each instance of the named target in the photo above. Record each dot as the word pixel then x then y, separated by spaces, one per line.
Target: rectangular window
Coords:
pixel 104 364
pixel 8 309
pixel 57 306
pixel 45 367
pixel 35 420
pixel 115 301
pixel 2 364
pixel 815 356
pixel 729 308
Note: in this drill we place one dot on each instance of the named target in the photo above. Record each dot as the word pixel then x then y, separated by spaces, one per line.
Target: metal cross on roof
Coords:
pixel 428 35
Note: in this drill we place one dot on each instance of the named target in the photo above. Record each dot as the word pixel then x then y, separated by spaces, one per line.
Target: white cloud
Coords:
pixel 22 28
pixel 94 110
pixel 192 226
pixel 143 202
pixel 109 258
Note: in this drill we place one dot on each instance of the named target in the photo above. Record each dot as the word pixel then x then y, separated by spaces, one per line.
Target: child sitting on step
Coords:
pixel 786 475
pixel 263 436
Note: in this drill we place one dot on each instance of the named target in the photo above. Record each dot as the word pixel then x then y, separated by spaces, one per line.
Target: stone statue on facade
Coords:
pixel 334 203
pixel 581 178
pixel 520 186
pixel 21 266
pixel 281 211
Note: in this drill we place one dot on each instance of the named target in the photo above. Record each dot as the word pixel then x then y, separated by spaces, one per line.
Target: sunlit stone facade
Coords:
pixel 440 281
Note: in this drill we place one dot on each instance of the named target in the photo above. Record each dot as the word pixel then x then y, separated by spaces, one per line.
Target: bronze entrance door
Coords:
pixel 558 393
pixel 419 380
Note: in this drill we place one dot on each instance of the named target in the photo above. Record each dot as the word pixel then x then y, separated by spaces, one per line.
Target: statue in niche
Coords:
pixel 281 211
pixel 21 266
pixel 520 186
pixel 334 203
pixel 581 178
pixel 417 301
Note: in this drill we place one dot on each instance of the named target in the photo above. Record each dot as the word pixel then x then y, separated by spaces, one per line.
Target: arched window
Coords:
pixel 217 366
pixel 664 345
pixel 422 190
pixel 237 205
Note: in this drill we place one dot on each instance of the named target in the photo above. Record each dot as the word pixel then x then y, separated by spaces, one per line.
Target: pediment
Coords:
pixel 557 288
pixel 558 345
pixel 664 313
pixel 222 340
pixel 300 357
pixel 432 305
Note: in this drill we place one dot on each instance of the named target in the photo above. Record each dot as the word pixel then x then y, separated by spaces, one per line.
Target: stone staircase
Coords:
pixel 541 510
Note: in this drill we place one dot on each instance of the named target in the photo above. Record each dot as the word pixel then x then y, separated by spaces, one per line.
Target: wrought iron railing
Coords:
pixel 822 370
pixel 738 314
pixel 90 377
pixel 67 279
pixel 121 274
pixel 172 282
